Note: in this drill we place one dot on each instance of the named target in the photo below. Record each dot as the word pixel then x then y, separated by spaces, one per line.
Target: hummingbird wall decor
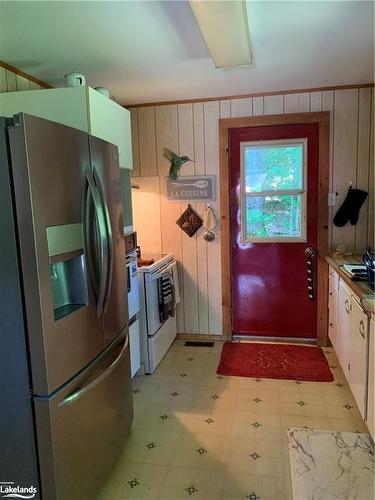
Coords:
pixel 176 163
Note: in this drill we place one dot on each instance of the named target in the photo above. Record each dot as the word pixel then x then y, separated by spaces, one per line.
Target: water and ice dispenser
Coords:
pixel 67 269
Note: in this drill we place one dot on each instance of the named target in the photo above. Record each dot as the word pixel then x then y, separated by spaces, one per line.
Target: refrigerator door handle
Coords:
pixel 94 383
pixel 103 248
pixel 109 262
pixel 86 202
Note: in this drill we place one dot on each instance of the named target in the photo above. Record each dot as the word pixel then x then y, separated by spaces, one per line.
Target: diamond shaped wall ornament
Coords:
pixel 189 221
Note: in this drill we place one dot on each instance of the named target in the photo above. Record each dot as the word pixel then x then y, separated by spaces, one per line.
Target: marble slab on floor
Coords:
pixel 329 465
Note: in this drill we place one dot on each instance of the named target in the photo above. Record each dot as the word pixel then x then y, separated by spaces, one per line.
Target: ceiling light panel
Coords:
pixel 225 29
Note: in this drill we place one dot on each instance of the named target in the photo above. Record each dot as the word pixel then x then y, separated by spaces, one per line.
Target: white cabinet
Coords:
pixel 80 107
pixel 371 383
pixel 333 299
pixel 135 350
pixel 343 332
pixel 353 337
pixel 358 355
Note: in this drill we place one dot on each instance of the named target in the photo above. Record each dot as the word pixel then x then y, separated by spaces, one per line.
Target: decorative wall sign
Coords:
pixel 197 188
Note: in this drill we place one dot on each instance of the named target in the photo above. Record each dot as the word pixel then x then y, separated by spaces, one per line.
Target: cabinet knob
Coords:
pixel 331 274
pixel 362 328
pixel 347 306
pixel 331 293
pixel 331 325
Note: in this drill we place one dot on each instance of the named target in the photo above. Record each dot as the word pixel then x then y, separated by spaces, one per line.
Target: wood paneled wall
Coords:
pixel 192 129
pixel 11 81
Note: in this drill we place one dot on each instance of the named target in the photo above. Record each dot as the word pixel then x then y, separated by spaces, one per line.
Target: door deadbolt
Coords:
pixel 309 252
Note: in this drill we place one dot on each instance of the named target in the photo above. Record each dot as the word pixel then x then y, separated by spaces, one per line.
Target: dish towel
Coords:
pixel 165 297
pixel 209 220
pixel 176 286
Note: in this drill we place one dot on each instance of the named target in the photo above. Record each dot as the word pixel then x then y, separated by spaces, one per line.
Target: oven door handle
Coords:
pixel 128 270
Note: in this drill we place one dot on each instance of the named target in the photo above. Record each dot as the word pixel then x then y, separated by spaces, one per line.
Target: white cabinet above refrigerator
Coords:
pixel 80 107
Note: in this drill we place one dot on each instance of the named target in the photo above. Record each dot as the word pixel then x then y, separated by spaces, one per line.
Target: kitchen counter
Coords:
pixel 359 288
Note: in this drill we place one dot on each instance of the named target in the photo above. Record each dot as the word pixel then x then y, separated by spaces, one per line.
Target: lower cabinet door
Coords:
pixel 82 427
pixel 135 350
pixel 371 382
pixel 358 355
pixel 343 333
pixel 333 282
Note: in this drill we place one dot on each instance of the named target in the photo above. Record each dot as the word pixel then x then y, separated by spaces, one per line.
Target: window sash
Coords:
pixel 274 192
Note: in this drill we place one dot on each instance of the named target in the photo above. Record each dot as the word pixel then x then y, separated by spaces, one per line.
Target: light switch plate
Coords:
pixel 331 199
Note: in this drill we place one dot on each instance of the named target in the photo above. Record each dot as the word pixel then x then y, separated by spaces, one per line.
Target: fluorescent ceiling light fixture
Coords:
pixel 225 29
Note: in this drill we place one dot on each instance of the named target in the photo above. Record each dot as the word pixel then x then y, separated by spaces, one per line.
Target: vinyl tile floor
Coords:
pixel 200 435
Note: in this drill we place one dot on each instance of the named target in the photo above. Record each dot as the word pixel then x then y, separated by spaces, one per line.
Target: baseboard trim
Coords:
pixel 280 340
pixel 198 336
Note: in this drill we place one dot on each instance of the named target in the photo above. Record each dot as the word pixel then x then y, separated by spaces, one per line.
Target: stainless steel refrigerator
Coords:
pixel 66 399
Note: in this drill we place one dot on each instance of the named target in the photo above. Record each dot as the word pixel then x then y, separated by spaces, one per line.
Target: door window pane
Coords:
pixel 277 216
pixel 273 167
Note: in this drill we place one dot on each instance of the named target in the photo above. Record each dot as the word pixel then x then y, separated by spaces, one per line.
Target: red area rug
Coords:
pixel 281 361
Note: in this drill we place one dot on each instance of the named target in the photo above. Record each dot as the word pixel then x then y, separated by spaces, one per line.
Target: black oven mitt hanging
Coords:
pixel 350 207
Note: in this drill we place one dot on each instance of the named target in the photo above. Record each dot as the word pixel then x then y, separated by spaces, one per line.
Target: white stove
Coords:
pixel 156 335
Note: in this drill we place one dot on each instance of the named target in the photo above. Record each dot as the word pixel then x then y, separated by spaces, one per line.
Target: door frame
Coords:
pixel 225 124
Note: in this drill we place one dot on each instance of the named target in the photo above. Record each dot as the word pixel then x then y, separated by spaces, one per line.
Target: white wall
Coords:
pixel 192 129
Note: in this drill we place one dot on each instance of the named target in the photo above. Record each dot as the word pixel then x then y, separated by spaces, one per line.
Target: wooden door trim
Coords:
pixel 225 124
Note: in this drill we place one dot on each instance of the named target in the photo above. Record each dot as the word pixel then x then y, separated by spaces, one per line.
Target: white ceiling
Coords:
pixel 146 51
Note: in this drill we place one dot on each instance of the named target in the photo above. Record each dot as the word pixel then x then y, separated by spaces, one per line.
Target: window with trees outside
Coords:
pixel 273 190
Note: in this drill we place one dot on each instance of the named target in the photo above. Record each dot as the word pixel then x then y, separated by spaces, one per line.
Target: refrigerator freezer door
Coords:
pixel 106 173
pixel 81 428
pixel 49 163
pixel 18 457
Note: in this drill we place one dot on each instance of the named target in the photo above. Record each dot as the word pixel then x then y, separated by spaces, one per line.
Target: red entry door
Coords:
pixel 273 219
